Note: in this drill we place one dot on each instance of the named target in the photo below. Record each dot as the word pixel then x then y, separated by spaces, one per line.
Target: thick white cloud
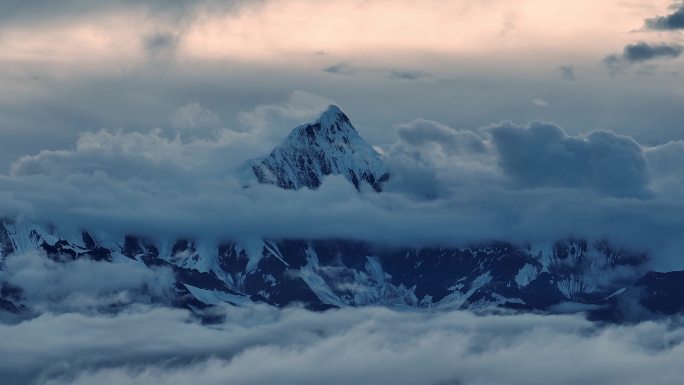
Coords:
pixel 195 145
pixel 429 158
pixel 665 166
pixel 192 121
pixel 275 120
pixel 260 345
pixel 48 285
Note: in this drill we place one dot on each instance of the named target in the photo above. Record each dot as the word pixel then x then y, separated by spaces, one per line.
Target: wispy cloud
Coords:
pixel 346 68
pixel 405 74
pixel 342 68
pixel 161 43
pixel 567 72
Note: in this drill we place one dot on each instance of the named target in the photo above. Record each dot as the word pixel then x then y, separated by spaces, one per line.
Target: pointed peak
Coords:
pixel 332 110
pixel 333 114
pixel 328 146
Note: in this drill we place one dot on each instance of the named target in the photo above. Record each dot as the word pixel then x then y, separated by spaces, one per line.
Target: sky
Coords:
pixel 464 63
pixel 496 118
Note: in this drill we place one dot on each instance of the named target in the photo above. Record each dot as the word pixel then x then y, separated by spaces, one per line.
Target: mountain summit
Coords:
pixel 330 145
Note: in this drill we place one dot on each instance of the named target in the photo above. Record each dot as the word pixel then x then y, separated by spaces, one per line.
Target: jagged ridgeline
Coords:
pixel 606 280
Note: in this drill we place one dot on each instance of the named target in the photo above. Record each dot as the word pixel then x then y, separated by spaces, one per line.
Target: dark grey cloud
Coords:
pixel 673 21
pixel 405 74
pixel 613 62
pixel 430 157
pixel 640 53
pixel 567 72
pixel 422 132
pixel 262 345
pixel 541 154
pixel 536 155
pixel 346 68
pixel 42 11
pixel 161 44
pixel 342 68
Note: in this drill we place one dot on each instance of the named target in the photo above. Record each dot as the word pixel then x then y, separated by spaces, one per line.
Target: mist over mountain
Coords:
pixel 441 186
pixel 337 267
pixel 341 192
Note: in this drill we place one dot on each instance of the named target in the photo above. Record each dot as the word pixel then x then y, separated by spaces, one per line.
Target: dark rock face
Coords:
pixel 661 292
pixel 62 250
pixel 328 146
pixel 652 296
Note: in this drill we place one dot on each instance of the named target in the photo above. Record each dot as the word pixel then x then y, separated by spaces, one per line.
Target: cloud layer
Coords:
pixel 258 345
pixel 449 186
pixel 47 285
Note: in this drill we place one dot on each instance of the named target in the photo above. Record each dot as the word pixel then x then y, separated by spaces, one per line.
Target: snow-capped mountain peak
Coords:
pixel 329 146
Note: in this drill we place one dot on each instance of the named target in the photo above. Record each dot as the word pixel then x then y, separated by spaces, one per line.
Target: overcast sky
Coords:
pixel 74 65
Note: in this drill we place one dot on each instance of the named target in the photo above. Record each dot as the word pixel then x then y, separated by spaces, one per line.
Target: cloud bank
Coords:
pixel 43 284
pixel 520 183
pixel 259 344
pixel 94 323
pixel 541 154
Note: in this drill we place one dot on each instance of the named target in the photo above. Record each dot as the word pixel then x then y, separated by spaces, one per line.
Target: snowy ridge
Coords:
pixel 328 146
pixel 338 273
